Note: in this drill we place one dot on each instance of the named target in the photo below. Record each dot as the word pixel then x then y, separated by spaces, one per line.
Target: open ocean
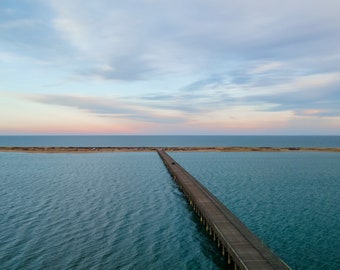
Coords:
pixel 123 210
pixel 102 141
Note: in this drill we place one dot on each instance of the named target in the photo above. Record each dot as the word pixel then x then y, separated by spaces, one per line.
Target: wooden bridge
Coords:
pixel 236 242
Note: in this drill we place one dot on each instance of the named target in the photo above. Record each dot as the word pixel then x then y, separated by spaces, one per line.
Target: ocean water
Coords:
pixel 123 210
pixel 97 211
pixel 102 141
pixel 289 200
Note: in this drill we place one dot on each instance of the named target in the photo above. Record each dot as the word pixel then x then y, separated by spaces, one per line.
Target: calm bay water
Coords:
pixel 290 200
pixel 96 211
pixel 123 210
pixel 101 141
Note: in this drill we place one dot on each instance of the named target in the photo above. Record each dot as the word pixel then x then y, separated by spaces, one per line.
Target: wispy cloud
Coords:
pixel 135 40
pixel 125 41
pixel 175 62
pixel 316 96
pixel 213 81
pixel 109 107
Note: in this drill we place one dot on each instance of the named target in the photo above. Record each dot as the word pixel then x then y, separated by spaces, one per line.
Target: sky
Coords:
pixel 212 67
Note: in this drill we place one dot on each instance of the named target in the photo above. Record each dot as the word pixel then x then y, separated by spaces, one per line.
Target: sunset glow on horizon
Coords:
pixel 156 68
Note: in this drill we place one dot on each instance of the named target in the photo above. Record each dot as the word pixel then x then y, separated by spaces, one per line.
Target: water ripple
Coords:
pixel 99 211
pixel 290 200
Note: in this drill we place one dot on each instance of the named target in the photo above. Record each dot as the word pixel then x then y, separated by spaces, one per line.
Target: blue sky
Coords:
pixel 169 67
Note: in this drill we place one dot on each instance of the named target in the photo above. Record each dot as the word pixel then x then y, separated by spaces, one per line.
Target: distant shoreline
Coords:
pixel 60 149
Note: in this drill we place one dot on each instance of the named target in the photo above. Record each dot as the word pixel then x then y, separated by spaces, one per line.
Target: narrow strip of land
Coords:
pixel 61 149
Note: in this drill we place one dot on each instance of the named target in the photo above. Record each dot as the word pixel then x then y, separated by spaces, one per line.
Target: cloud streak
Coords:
pixel 107 107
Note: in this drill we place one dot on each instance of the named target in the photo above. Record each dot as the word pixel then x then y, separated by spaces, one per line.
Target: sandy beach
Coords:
pixel 171 149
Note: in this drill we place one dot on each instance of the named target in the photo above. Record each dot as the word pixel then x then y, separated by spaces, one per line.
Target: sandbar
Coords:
pixel 59 149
